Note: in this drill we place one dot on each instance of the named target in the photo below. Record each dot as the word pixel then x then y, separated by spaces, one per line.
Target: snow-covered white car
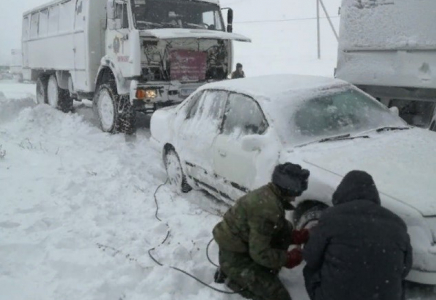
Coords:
pixel 228 136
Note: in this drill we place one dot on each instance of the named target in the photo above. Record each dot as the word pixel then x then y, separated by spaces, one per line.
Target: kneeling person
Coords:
pixel 254 236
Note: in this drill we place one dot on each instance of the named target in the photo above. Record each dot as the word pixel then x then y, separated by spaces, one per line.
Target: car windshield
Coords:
pixel 159 14
pixel 338 112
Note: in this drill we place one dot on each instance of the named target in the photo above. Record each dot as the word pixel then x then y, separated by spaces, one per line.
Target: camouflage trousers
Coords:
pixel 251 280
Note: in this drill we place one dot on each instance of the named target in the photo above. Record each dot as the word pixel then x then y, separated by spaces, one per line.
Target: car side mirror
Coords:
pixel 252 143
pixel 394 110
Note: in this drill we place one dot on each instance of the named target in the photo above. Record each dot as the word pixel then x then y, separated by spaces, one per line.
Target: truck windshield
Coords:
pixel 159 14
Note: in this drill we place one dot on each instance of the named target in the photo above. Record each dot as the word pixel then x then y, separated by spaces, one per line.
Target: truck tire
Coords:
pixel 176 176
pixel 41 90
pixel 57 97
pixel 115 113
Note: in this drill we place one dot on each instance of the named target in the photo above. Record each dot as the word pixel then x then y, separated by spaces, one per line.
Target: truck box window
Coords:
pixel 53 20
pixel 26 28
pixel 34 25
pixel 43 22
pixel 80 16
pixel 66 15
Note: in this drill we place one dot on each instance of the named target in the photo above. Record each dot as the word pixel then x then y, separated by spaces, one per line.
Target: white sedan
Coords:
pixel 227 137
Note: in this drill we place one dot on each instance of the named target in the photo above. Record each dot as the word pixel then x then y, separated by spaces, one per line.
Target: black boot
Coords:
pixel 219 276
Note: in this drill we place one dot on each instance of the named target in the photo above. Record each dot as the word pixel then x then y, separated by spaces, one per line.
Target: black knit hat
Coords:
pixel 290 178
pixel 356 185
pixel 238 65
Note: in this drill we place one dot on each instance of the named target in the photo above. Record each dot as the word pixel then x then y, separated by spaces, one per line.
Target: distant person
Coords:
pixel 359 250
pixel 254 237
pixel 239 73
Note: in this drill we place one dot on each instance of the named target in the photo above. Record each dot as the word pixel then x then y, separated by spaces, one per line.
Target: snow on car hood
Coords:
pixel 403 164
pixel 179 33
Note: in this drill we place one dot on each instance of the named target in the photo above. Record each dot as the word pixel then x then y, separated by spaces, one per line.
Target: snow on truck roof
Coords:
pixel 277 87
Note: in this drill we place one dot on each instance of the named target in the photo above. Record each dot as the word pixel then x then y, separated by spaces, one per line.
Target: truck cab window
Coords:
pixel 121 10
pixel 156 14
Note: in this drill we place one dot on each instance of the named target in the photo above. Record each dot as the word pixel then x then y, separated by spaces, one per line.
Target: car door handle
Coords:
pixel 222 153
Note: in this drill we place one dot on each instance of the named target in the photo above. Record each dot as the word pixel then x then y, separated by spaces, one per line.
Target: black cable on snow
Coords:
pixel 207 253
pixel 155 201
pixel 175 268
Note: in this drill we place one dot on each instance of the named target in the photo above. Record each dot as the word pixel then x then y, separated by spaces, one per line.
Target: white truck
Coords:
pixel 388 49
pixel 16 67
pixel 128 56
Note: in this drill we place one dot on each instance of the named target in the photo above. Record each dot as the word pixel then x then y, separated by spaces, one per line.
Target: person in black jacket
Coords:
pixel 238 73
pixel 359 250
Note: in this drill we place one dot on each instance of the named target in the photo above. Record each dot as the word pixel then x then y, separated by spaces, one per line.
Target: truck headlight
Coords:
pixel 146 93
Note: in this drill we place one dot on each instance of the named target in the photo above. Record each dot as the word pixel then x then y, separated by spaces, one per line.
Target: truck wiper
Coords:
pixel 149 23
pixel 391 128
pixel 342 137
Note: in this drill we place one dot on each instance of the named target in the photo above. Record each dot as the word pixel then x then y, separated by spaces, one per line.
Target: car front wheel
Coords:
pixel 310 218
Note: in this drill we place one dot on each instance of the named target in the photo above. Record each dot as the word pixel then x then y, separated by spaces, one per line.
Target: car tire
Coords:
pixel 57 97
pixel 176 176
pixel 433 126
pixel 309 217
pixel 41 90
pixel 114 112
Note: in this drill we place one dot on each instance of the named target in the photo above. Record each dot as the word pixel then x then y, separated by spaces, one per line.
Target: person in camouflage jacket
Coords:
pixel 254 236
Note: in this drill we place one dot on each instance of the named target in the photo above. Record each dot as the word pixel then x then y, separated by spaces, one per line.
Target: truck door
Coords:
pixel 118 47
pixel 79 48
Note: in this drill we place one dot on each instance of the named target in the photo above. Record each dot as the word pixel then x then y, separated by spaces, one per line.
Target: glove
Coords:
pixel 300 237
pixel 294 258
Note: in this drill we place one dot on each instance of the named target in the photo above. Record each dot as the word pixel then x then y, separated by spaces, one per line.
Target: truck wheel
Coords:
pixel 115 112
pixel 41 90
pixel 176 176
pixel 310 217
pixel 57 97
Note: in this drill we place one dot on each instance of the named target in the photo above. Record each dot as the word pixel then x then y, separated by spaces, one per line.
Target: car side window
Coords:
pixel 205 117
pixel 192 107
pixel 212 106
pixel 243 116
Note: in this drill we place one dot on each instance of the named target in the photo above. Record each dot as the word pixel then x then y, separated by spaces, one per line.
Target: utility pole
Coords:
pixel 318 17
pixel 318 29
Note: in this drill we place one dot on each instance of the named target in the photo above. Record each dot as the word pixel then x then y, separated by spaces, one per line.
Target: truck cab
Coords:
pixel 128 56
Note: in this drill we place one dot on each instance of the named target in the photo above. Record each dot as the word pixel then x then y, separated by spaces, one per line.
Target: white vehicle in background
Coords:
pixel 388 49
pixel 16 67
pixel 126 55
pixel 228 136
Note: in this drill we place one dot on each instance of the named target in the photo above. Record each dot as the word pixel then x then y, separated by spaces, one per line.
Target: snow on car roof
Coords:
pixel 277 87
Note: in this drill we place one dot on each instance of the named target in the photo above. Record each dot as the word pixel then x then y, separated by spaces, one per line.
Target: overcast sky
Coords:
pixel 11 12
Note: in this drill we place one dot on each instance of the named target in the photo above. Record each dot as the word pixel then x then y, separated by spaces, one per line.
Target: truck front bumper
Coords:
pixel 159 94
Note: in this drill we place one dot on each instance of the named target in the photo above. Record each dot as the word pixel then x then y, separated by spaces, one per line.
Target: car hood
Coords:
pixel 403 164
pixel 174 33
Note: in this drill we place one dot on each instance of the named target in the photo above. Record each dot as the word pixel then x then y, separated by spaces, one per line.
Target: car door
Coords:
pixel 197 133
pixel 237 167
